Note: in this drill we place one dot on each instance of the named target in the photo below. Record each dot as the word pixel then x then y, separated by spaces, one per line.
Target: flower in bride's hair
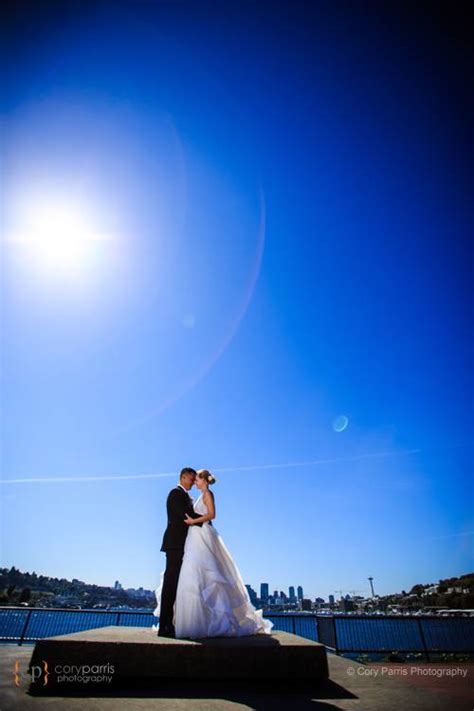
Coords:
pixel 207 476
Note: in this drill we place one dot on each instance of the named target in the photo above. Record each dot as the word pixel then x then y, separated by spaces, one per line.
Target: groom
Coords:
pixel 178 504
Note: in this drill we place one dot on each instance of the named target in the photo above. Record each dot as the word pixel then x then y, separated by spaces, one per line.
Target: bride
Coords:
pixel 211 598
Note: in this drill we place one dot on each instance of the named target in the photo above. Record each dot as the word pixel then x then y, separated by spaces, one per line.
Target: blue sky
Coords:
pixel 282 238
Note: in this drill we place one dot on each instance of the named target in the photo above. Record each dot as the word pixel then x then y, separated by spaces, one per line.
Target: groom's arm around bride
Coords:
pixel 178 504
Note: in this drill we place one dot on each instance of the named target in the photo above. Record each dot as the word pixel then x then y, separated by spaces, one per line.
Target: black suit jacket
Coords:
pixel 178 504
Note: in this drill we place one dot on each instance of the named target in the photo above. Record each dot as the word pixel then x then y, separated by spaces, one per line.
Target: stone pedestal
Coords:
pixel 111 656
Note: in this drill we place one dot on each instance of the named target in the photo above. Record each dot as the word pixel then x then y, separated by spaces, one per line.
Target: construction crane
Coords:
pixel 353 592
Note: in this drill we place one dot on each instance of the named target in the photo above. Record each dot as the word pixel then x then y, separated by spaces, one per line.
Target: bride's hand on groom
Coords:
pixel 189 520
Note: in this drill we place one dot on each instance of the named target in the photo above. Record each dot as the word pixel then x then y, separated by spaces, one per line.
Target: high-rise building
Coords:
pixel 264 592
pixel 292 595
pixel 300 592
pixel 331 599
pixel 252 594
pixel 117 585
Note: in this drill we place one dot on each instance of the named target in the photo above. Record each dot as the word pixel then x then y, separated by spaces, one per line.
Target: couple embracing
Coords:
pixel 202 593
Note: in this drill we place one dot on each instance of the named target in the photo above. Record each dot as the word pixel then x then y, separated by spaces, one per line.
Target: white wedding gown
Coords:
pixel 211 599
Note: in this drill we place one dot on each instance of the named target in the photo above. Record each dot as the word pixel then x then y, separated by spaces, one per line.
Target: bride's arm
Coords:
pixel 208 499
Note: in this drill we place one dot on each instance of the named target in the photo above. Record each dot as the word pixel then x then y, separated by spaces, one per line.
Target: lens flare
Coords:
pixel 340 423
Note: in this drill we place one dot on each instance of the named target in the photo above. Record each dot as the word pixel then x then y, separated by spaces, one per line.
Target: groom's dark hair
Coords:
pixel 187 470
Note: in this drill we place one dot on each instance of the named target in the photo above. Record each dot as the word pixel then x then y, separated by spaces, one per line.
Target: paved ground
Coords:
pixel 352 686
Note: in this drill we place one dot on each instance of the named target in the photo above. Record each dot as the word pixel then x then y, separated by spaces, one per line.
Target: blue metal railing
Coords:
pixel 376 633
pixel 339 633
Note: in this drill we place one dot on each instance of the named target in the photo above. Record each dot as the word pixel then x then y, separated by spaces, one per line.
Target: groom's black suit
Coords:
pixel 178 504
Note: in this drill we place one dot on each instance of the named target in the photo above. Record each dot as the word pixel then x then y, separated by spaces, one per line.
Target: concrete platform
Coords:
pixel 351 687
pixel 113 656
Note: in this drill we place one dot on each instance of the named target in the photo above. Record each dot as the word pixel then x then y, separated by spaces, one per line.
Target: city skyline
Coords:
pixel 331 598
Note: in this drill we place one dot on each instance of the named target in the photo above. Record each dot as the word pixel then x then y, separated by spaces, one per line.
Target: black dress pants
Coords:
pixel 174 559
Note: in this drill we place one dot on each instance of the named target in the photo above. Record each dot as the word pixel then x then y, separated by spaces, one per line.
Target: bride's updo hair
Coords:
pixel 206 475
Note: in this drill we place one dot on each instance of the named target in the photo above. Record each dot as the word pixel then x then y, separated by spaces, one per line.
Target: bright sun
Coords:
pixel 60 235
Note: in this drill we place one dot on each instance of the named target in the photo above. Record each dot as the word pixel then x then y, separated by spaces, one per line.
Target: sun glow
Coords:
pixel 60 235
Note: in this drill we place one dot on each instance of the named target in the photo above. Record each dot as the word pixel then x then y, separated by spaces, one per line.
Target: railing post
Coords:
pixel 335 633
pixel 422 635
pixel 293 619
pixel 25 626
pixel 118 618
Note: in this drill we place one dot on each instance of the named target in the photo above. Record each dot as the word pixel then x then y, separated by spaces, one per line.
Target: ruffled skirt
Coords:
pixel 211 599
